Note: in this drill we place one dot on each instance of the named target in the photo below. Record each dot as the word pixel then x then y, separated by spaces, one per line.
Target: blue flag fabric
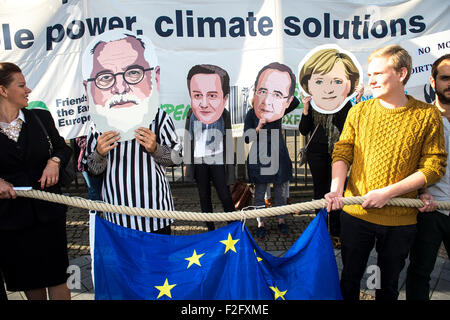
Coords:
pixel 225 264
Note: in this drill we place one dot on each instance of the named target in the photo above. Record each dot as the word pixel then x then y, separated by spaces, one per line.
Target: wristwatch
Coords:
pixel 56 159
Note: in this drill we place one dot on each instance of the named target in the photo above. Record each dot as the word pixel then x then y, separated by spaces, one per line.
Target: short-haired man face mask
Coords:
pixel 271 97
pixel 121 87
pixel 207 100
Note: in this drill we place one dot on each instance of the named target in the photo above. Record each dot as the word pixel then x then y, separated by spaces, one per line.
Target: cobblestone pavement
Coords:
pixel 186 199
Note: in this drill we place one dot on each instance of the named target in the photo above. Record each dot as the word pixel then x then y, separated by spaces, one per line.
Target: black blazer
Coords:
pixel 190 169
pixel 22 164
pixel 319 142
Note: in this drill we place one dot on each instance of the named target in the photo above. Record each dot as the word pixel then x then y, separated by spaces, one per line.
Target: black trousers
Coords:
pixel 3 296
pixel 392 245
pixel 433 228
pixel 320 165
pixel 167 230
pixel 204 174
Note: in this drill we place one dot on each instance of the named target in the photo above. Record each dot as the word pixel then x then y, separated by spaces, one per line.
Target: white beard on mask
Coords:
pixel 125 120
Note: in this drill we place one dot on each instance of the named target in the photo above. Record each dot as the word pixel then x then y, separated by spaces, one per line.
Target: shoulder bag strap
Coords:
pixel 310 138
pixel 50 151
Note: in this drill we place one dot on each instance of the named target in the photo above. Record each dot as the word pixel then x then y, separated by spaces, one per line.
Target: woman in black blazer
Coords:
pixel 33 243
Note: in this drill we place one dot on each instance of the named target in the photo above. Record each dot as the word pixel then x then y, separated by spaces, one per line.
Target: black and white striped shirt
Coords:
pixel 136 178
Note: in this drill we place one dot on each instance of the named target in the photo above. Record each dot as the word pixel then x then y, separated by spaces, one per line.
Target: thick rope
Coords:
pixel 217 216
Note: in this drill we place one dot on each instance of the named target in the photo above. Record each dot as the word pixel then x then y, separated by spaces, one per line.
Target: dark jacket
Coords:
pixel 319 142
pixel 22 164
pixel 284 172
pixel 229 168
pixel 283 167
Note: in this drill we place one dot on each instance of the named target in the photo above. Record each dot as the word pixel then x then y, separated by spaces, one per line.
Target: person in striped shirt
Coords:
pixel 120 71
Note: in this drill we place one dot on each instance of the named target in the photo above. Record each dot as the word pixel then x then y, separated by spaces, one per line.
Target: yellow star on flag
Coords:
pixel 195 258
pixel 229 243
pixel 165 289
pixel 278 293
pixel 259 259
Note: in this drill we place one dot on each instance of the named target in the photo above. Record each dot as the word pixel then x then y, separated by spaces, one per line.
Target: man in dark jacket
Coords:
pixel 208 136
pixel 273 97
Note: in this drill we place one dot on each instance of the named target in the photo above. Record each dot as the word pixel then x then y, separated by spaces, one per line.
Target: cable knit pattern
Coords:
pixel 384 146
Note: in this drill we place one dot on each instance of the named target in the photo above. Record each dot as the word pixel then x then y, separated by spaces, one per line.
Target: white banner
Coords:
pixel 424 51
pixel 46 39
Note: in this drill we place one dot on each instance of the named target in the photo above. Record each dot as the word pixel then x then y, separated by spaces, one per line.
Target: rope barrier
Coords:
pixel 216 216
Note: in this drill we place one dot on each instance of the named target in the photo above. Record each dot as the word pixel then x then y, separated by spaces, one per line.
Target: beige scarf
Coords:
pixel 332 132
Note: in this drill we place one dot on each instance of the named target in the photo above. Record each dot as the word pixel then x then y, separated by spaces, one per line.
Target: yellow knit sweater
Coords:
pixel 384 146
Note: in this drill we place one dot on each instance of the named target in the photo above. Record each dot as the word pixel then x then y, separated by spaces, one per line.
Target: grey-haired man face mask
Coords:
pixel 121 89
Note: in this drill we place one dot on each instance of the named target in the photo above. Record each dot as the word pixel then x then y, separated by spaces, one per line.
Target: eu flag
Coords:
pixel 224 264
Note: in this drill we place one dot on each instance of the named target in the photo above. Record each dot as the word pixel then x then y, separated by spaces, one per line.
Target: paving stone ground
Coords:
pixel 186 199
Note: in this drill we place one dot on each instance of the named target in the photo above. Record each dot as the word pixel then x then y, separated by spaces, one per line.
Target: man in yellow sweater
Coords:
pixel 395 146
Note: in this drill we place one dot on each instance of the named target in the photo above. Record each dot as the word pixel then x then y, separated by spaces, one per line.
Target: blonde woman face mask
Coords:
pixel 331 76
pixel 331 89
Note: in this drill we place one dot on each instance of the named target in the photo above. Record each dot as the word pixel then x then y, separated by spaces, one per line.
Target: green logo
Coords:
pixel 37 105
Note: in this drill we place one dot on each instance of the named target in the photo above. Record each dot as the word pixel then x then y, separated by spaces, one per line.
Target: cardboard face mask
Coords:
pixel 206 89
pixel 329 74
pixel 207 100
pixel 122 83
pixel 271 96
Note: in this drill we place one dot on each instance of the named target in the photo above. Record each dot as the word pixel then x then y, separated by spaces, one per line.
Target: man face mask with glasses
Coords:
pixel 271 97
pixel 121 87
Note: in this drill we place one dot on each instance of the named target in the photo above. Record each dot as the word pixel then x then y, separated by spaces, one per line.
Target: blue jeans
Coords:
pixel 94 184
pixel 279 195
